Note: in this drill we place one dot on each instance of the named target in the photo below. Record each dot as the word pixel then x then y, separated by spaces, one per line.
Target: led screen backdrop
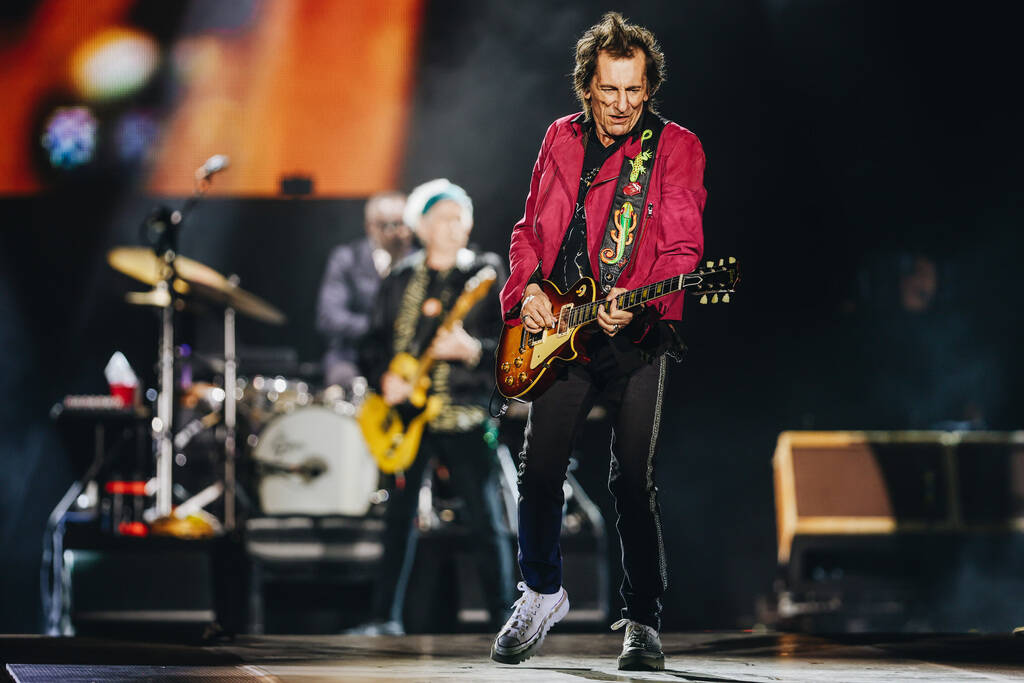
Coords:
pixel 147 91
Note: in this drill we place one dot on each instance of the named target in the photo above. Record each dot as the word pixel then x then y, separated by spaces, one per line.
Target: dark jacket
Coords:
pixel 465 385
pixel 346 298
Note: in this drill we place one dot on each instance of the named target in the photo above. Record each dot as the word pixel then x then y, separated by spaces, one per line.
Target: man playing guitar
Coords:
pixel 616 195
pixel 407 318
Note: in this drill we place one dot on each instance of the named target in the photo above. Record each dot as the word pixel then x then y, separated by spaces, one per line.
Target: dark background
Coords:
pixel 842 139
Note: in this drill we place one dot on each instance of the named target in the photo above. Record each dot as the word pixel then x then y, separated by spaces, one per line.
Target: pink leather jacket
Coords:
pixel 671 236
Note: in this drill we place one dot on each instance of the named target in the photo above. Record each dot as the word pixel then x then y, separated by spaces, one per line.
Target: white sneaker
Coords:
pixel 641 648
pixel 535 613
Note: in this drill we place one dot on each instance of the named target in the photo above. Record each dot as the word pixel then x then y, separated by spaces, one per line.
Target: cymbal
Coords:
pixel 193 277
pixel 246 303
pixel 143 265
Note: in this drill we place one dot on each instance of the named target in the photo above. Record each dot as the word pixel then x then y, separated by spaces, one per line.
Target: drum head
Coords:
pixel 314 461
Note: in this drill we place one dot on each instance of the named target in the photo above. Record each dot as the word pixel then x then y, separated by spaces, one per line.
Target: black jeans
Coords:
pixel 474 476
pixel 633 394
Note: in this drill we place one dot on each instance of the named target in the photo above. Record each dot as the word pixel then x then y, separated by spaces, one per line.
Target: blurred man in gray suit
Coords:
pixel 351 280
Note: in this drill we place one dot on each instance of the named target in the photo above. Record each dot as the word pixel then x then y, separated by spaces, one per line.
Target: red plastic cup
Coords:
pixel 125 393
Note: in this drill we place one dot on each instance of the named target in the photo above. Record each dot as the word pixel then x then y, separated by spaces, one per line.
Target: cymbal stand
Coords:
pixel 162 227
pixel 230 386
pixel 162 424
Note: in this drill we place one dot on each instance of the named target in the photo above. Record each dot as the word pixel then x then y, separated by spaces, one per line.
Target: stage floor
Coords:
pixel 704 657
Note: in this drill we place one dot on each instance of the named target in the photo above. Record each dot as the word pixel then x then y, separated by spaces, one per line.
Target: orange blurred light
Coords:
pixel 313 88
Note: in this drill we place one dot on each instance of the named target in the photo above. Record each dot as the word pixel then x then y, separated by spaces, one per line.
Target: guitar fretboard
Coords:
pixel 581 315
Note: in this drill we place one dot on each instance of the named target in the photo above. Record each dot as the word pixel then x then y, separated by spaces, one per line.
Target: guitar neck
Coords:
pixel 586 313
pixel 476 289
pixel 426 359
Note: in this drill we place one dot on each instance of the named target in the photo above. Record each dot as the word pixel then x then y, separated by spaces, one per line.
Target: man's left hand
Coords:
pixel 614 319
pixel 456 344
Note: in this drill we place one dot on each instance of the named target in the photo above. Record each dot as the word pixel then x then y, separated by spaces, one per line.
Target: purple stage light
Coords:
pixel 70 137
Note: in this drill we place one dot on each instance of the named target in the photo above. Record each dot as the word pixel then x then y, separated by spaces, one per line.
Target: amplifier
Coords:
pixel 898 530
pixel 843 483
pixel 154 587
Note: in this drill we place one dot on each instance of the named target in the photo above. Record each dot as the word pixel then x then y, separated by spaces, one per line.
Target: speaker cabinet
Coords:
pixel 899 530
pixel 153 587
pixel 849 483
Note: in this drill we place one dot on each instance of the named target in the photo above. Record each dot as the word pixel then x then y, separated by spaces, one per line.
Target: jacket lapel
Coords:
pixel 568 156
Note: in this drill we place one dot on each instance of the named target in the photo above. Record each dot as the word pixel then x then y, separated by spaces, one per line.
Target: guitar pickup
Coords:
pixel 563 326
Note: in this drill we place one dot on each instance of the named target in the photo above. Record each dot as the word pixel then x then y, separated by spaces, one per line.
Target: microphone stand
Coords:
pixel 163 226
pixel 230 375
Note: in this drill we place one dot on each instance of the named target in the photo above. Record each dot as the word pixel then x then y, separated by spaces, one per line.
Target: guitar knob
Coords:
pixel 522 376
pixel 509 380
pixel 505 367
pixel 519 361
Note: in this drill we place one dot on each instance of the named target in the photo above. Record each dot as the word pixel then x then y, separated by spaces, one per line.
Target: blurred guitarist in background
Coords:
pixel 351 280
pixel 406 317
pixel 616 195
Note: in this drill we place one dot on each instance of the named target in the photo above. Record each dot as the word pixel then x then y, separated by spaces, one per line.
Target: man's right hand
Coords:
pixel 535 311
pixel 394 389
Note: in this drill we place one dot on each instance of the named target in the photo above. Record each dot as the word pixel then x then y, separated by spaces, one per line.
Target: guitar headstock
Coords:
pixel 716 282
pixel 475 290
pixel 481 281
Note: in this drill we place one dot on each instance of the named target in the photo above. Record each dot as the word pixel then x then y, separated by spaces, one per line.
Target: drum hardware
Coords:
pixel 230 414
pixel 174 277
pixel 263 397
pixel 336 395
pixel 194 428
pixel 165 404
pixel 199 501
pixel 204 395
pixel 311 458
pixel 157 297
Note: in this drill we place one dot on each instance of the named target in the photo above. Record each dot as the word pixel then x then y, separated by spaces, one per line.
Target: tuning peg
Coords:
pixel 710 264
pixel 725 298
pixel 721 262
pixel 704 299
pixel 714 298
pixel 732 259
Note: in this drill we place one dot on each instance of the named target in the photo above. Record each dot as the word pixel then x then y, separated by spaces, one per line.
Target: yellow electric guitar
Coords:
pixel 392 439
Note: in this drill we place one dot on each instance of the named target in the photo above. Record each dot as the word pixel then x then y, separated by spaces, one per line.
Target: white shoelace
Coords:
pixel 525 610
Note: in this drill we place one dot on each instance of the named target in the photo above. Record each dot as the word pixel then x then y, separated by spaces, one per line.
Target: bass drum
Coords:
pixel 314 461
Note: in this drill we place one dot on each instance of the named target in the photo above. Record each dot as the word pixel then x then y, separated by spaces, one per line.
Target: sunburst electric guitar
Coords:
pixel 523 367
pixel 393 433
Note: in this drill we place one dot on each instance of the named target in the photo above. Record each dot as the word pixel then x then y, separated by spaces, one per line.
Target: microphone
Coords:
pixel 215 164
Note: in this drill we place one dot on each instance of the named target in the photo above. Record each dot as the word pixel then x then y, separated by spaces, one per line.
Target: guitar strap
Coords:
pixel 625 218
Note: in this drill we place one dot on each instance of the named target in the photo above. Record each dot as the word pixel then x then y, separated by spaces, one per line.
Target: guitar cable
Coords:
pixel 490 404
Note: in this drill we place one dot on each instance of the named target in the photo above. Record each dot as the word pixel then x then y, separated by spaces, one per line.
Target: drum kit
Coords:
pixel 304 450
